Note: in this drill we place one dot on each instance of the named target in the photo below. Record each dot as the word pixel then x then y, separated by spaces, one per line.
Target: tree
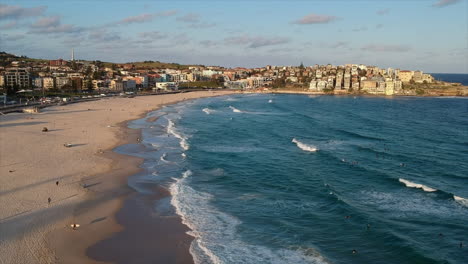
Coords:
pixel 88 71
pixel 89 85
pixel 74 66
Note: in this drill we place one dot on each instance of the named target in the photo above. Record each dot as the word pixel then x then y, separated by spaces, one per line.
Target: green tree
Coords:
pixel 89 85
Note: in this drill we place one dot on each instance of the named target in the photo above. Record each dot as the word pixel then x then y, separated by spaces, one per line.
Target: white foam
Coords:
pixel 235 110
pixel 270 101
pixel 208 111
pixel 416 185
pixel 216 238
pixel 461 200
pixel 163 158
pixel 305 147
pixel 171 130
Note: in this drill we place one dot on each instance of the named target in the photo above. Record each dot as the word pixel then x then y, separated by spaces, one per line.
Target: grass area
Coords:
pixel 208 84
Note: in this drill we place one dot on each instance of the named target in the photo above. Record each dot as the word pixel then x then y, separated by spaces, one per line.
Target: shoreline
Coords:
pixel 35 232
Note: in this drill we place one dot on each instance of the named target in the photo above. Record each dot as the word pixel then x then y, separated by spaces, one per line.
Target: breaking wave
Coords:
pixel 212 229
pixel 235 110
pixel 416 185
pixel 461 200
pixel 171 130
pixel 305 147
pixel 208 111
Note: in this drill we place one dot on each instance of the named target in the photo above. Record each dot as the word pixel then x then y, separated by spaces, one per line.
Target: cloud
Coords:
pixel 12 37
pixel 386 48
pixel 189 18
pixel 47 22
pixel 255 42
pixel 202 25
pixel 339 44
pixel 444 3
pixel 180 39
pixel 360 29
pixel 382 12
pixel 145 17
pixel 152 35
pixel 10 25
pixel 17 12
pixel 102 35
pixel 208 43
pixel 52 24
pixel 315 19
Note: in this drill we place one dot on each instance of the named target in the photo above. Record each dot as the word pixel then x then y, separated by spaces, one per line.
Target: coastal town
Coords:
pixel 21 75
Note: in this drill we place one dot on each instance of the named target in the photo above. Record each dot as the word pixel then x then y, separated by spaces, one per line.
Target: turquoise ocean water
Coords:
pixel 309 179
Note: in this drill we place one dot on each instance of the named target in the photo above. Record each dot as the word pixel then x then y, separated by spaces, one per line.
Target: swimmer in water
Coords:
pixel 354 251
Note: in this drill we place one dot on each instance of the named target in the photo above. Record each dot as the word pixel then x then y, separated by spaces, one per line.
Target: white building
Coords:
pixel 166 86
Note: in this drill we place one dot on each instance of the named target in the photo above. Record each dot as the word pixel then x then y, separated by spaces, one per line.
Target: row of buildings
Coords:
pixel 83 75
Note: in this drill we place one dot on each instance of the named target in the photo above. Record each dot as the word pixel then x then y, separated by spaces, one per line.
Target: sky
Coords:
pixel 428 35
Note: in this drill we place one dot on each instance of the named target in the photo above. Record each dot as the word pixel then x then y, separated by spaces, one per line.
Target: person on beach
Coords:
pixel 56 183
pixel 49 200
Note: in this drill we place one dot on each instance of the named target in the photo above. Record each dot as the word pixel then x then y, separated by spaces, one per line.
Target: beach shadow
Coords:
pixel 76 145
pixel 22 124
pixel 98 220
pixel 50 181
pixel 86 186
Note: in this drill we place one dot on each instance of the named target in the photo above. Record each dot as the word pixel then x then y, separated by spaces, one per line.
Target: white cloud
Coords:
pixel 315 19
pixel 255 42
pixel 444 3
pixel 145 17
pixel 17 12
pixel 52 24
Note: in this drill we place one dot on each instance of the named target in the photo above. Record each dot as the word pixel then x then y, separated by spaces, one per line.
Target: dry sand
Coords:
pixel 31 162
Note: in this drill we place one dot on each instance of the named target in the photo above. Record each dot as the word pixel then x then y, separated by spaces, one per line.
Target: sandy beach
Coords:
pixel 46 187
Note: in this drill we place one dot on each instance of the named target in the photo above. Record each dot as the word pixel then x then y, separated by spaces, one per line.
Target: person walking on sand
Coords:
pixel 49 200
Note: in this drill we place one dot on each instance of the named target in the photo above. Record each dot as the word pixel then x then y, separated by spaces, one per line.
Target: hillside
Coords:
pixel 7 58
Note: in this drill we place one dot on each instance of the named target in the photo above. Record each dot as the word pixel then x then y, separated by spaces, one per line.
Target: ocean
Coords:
pixel 265 178
pixel 452 77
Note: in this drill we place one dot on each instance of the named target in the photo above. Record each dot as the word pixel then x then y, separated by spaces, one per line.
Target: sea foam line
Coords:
pixel 171 130
pixel 235 110
pixel 305 147
pixel 416 185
